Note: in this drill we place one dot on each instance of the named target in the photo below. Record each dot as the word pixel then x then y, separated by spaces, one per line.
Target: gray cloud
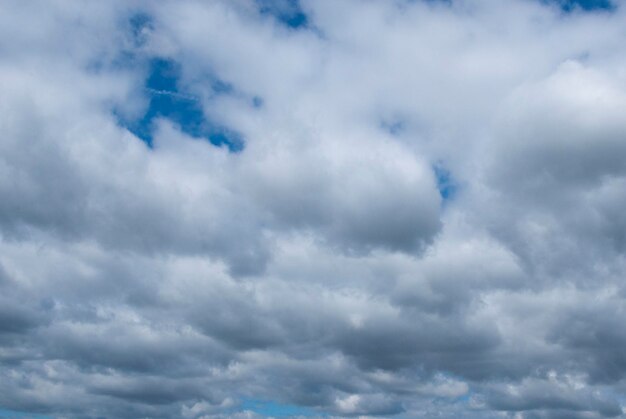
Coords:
pixel 317 271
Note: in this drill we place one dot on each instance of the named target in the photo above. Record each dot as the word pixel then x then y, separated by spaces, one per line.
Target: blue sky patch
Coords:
pixel 268 408
pixel 287 12
pixel 393 127
pixel 138 24
pixel 12 414
pixel 168 100
pixel 257 102
pixel 445 183
pixel 587 5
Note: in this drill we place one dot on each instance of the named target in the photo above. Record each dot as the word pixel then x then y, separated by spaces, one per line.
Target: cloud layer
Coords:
pixel 335 208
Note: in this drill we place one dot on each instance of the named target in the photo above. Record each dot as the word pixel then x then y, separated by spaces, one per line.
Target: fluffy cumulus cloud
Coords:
pixel 315 208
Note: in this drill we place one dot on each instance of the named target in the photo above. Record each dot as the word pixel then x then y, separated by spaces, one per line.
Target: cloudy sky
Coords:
pixel 315 208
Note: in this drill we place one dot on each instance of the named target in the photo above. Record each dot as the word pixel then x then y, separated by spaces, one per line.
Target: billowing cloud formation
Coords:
pixel 335 208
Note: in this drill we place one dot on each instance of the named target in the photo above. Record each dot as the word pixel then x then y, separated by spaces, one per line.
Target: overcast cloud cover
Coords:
pixel 336 208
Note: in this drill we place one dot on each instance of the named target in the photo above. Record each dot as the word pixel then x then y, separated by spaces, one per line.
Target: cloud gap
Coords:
pixel 278 410
pixel 287 12
pixel 446 184
pixel 167 99
pixel 569 6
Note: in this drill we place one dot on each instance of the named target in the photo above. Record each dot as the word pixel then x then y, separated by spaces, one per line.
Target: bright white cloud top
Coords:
pixel 330 208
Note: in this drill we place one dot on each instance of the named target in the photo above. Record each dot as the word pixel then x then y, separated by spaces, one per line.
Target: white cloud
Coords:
pixel 318 267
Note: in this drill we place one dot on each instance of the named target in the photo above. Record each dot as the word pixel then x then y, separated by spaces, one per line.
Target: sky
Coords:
pixel 313 209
